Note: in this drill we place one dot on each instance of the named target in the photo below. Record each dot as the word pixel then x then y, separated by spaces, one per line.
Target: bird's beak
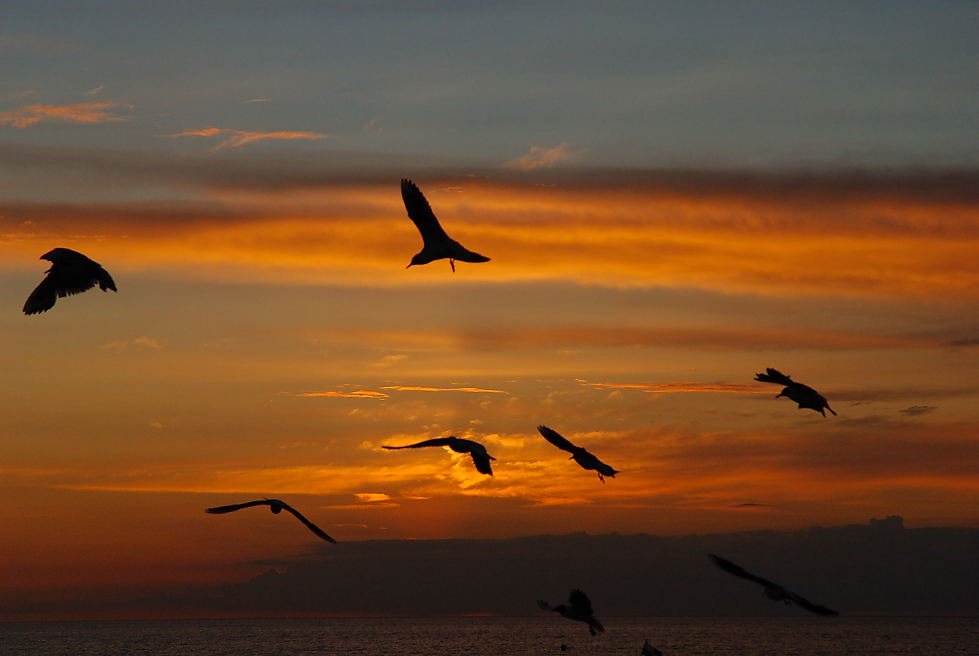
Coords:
pixel 410 265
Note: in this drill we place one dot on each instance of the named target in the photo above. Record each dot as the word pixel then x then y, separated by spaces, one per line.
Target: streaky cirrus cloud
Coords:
pixel 88 112
pixel 239 138
pixel 416 388
pixel 374 394
pixel 541 157
pixel 355 394
pixel 673 388
pixel 733 232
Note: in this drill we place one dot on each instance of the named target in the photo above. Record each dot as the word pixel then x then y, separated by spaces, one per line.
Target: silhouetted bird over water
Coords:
pixel 437 245
pixel 276 506
pixel 70 273
pixel 804 395
pixel 579 454
pixel 578 609
pixel 773 591
pixel 478 452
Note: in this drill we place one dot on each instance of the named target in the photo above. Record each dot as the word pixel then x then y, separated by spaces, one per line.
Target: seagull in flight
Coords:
pixel 773 591
pixel 478 452
pixel 578 454
pixel 804 395
pixel 437 245
pixel 276 506
pixel 70 273
pixel 578 608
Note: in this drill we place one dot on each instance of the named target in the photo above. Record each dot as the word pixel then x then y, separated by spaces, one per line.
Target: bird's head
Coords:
pixel 419 258
pixel 58 255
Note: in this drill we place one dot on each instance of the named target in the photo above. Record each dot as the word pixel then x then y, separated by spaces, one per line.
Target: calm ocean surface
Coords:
pixel 496 637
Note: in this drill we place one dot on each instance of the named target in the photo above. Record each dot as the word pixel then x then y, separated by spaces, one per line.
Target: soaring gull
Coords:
pixel 70 273
pixel 437 245
pixel 804 395
pixel 478 452
pixel 578 454
pixel 276 506
pixel 578 608
pixel 773 591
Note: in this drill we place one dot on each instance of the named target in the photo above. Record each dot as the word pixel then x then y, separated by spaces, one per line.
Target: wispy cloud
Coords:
pixel 671 388
pixel 414 388
pixel 356 394
pixel 541 157
pixel 150 343
pixel 97 90
pixel 239 138
pixel 89 112
pixel 917 410
pixel 374 394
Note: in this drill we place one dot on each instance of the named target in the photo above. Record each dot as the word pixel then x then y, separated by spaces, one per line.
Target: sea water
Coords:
pixel 496 636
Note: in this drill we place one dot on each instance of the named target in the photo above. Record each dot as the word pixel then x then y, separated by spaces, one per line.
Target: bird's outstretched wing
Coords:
pixel 273 503
pixel 420 212
pixel 310 525
pixel 556 439
pixel 649 650
pixel 238 506
pixel 818 609
pixel 737 570
pixel 580 602
pixel 773 376
pixel 43 297
pixel 482 462
pixel 438 441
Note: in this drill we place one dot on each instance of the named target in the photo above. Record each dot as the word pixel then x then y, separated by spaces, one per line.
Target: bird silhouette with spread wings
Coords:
pixel 276 506
pixel 578 608
pixel 579 454
pixel 437 244
pixel 481 459
pixel 70 273
pixel 804 395
pixel 773 591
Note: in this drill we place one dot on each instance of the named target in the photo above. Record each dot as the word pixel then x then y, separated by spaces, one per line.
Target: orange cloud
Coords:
pixel 670 388
pixel 539 157
pixel 409 388
pixel 90 112
pixel 238 138
pixel 356 394
pixel 801 238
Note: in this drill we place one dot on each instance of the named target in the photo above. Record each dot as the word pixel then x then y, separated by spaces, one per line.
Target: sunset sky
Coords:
pixel 674 196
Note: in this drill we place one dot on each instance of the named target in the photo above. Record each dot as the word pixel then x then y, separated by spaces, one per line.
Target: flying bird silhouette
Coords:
pixel 649 650
pixel 436 244
pixel 579 454
pixel 804 395
pixel 578 610
pixel 276 506
pixel 70 273
pixel 478 452
pixel 773 591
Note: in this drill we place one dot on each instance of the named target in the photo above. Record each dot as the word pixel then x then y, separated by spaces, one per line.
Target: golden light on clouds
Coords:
pixel 239 138
pixel 88 112
pixel 360 235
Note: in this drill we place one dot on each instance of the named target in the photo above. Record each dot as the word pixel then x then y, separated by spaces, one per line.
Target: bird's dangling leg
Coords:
pixel 452 263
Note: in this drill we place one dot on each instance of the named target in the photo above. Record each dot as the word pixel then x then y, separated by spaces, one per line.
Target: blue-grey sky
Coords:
pixel 622 83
